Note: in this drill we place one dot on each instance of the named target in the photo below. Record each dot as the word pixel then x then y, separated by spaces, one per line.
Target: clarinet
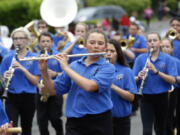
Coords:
pixel 146 72
pixel 5 93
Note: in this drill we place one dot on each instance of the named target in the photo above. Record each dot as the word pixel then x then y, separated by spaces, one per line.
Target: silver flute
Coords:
pixel 146 72
pixel 52 56
pixel 5 93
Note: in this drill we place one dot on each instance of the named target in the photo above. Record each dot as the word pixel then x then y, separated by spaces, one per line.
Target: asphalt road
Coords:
pixel 136 125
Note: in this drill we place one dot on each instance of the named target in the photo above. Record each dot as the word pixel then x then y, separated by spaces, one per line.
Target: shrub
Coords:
pixel 15 13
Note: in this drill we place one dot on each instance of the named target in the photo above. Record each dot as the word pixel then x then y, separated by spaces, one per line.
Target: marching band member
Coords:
pixel 129 55
pixel 175 24
pixel 52 108
pixel 76 47
pixel 167 47
pixel 160 77
pixel 139 46
pixel 87 82
pixel 22 88
pixel 122 90
pixel 62 37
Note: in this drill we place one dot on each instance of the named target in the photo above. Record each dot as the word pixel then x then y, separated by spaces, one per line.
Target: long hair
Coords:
pixel 120 56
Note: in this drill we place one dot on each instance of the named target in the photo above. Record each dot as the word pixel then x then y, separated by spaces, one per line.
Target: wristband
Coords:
pixel 157 72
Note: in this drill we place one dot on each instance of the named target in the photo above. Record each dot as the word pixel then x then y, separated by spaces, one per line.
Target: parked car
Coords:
pixel 99 12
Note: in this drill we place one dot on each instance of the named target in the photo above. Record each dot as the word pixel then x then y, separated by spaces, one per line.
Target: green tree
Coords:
pixel 15 13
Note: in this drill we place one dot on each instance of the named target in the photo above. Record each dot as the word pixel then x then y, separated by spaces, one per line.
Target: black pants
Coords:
pixel 97 124
pixel 171 112
pixel 121 126
pixel 23 106
pixel 50 110
pixel 154 111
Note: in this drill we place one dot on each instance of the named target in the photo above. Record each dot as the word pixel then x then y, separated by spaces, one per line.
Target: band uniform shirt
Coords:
pixel 3 51
pixel 124 79
pixel 178 68
pixel 76 50
pixel 176 48
pixel 19 83
pixel 139 43
pixel 3 115
pixel 80 102
pixel 153 83
pixel 57 39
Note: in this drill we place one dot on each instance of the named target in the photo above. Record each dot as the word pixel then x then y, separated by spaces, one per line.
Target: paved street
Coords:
pixel 136 128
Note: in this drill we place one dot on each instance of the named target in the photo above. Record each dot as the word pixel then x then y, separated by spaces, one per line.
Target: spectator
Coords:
pixel 115 24
pixel 148 14
pixel 161 11
pixel 106 24
pixel 124 21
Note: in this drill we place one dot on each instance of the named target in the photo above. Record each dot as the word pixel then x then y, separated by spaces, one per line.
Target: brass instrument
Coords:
pixel 80 43
pixel 31 28
pixel 126 43
pixel 69 56
pixel 8 80
pixel 45 94
pixel 146 72
pixel 172 34
pixel 63 42
pixel 58 13
pixel 34 36
pixel 12 130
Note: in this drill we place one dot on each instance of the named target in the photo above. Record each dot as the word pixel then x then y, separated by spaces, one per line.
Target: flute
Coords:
pixel 12 130
pixel 52 56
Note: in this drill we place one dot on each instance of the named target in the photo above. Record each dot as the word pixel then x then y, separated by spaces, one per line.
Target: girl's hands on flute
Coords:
pixel 63 60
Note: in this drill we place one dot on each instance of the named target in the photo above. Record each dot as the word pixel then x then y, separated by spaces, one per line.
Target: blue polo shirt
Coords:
pixel 139 43
pixel 3 116
pixel 176 48
pixel 124 79
pixel 19 82
pixel 3 51
pixel 153 83
pixel 56 39
pixel 75 50
pixel 53 64
pixel 178 68
pixel 80 102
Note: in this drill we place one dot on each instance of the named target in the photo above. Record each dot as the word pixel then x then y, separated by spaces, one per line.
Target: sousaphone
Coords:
pixel 58 13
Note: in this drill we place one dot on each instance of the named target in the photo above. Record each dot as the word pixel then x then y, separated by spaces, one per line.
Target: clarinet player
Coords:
pixel 160 77
pixel 22 87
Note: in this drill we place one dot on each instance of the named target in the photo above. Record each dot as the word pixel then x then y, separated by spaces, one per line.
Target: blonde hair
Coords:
pixel 21 29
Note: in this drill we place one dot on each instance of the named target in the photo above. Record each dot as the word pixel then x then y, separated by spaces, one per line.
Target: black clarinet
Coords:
pixel 8 81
